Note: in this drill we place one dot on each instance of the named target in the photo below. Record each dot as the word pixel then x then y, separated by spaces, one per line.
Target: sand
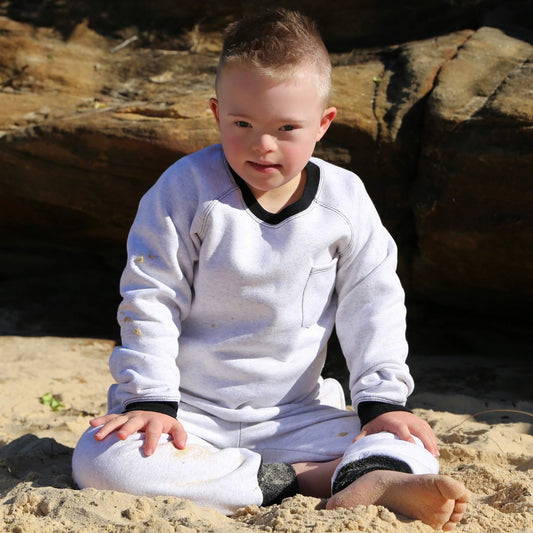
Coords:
pixel 491 452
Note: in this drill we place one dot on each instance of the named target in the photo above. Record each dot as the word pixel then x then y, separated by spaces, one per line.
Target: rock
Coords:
pixel 381 101
pixel 82 177
pixel 474 190
pixel 86 134
pixel 439 130
pixel 344 23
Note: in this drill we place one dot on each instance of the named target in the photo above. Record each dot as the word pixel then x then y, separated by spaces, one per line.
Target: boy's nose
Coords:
pixel 264 143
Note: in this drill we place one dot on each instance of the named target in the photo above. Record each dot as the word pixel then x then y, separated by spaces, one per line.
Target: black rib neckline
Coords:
pixel 310 189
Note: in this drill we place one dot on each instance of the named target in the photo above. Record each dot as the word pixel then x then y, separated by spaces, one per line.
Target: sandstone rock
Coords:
pixel 439 130
pixel 344 23
pixel 86 134
pixel 381 98
pixel 82 178
pixel 474 190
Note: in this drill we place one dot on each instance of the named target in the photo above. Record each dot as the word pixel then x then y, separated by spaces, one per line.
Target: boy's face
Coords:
pixel 269 129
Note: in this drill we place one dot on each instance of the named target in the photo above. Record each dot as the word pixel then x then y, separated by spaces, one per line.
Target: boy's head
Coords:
pixel 273 84
pixel 278 44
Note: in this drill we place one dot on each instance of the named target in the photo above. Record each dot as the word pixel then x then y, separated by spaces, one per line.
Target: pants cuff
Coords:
pixel 354 470
pixel 277 481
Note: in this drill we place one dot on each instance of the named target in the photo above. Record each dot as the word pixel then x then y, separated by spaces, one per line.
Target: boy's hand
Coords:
pixel 404 425
pixel 151 423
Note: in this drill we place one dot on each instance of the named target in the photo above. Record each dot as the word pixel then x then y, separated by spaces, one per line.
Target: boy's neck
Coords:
pixel 278 199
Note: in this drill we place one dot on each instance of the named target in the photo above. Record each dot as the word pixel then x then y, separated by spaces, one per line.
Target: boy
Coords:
pixel 241 259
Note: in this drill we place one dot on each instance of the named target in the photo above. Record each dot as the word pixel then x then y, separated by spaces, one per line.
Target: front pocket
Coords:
pixel 317 292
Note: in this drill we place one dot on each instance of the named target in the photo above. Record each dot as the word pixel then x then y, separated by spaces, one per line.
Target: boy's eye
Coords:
pixel 287 127
pixel 242 124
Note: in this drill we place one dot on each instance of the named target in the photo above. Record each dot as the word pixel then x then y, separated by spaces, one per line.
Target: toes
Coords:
pixel 456 517
pixel 460 507
pixel 465 498
pixel 452 489
pixel 448 526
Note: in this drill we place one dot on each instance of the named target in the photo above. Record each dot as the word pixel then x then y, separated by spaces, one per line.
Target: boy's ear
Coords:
pixel 213 104
pixel 327 118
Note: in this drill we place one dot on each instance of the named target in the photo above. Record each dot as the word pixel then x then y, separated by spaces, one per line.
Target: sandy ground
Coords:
pixel 492 452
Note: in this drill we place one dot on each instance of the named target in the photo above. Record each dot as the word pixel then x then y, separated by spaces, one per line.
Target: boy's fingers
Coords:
pixel 431 445
pixel 152 434
pixel 110 424
pixel 132 425
pixel 101 420
pixel 127 425
pixel 429 441
pixel 179 437
pixel 151 440
pixel 405 434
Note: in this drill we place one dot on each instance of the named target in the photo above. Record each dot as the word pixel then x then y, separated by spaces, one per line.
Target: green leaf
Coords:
pixel 52 401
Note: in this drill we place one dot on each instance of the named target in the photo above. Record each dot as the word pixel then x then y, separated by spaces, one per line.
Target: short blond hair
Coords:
pixel 278 44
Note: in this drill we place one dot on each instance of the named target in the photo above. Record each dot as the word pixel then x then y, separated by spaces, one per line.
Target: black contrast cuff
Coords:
pixel 167 408
pixel 367 411
pixel 277 481
pixel 352 471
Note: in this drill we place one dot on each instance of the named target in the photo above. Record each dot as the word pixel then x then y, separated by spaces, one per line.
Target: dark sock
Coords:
pixel 277 481
pixel 354 470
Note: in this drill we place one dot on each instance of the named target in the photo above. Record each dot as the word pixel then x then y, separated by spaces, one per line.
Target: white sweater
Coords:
pixel 229 308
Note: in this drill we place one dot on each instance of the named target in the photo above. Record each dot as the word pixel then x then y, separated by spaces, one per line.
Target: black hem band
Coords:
pixel 354 470
pixel 367 411
pixel 277 481
pixel 166 408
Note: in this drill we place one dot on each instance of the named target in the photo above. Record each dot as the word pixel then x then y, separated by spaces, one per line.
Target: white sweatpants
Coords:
pixel 219 466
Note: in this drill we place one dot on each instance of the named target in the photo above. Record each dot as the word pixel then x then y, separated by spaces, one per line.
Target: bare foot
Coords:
pixel 437 500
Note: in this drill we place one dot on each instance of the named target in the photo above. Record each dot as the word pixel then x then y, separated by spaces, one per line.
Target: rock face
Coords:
pixel 474 194
pixel 343 23
pixel 86 132
pixel 440 130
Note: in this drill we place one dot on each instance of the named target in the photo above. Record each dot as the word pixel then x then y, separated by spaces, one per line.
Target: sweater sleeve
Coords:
pixel 371 314
pixel 156 297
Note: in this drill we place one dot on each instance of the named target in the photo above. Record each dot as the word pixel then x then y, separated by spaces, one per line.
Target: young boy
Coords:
pixel 242 258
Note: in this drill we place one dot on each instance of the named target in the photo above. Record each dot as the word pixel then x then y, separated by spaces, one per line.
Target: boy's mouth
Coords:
pixel 264 167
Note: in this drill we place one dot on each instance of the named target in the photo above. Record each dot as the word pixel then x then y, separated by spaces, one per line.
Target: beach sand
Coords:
pixel 486 440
